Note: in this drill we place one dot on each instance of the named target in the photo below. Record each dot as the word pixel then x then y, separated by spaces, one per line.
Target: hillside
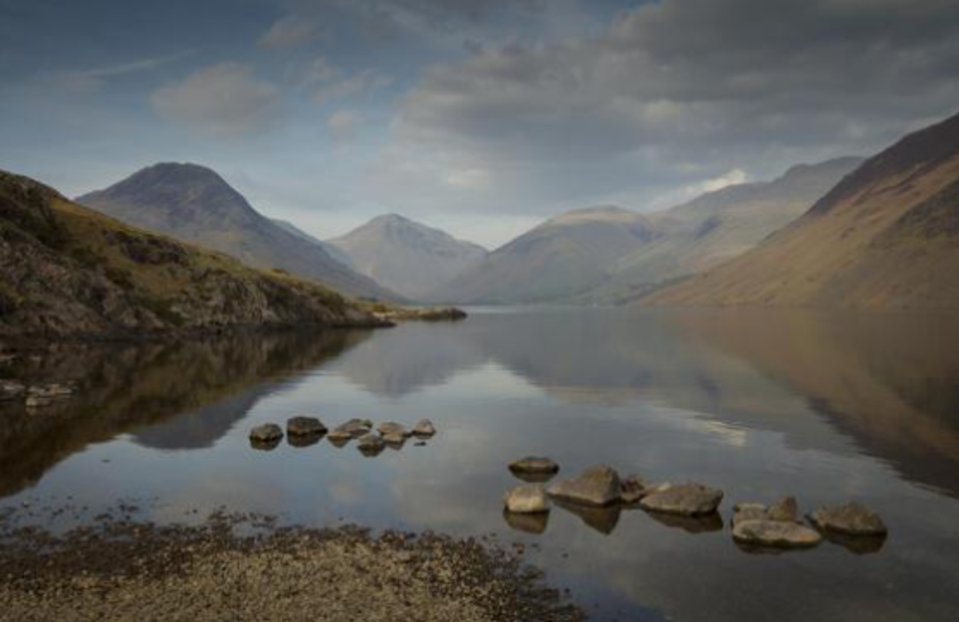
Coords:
pixel 68 271
pixel 406 256
pixel 718 226
pixel 194 204
pixel 886 237
pixel 563 257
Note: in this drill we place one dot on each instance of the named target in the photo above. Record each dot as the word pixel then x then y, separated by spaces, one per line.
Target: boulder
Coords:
pixel 391 428
pixel 775 534
pixel 785 510
pixel 424 428
pixel 529 499
pixel 598 485
pixel 684 500
pixel 266 433
pixel 633 489
pixel 395 440
pixel 305 426
pixel 743 512
pixel 339 437
pixel 851 519
pixel 370 444
pixel 354 428
pixel 534 464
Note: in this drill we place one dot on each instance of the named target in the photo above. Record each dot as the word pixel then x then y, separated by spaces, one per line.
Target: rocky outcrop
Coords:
pixel 598 485
pixel 684 500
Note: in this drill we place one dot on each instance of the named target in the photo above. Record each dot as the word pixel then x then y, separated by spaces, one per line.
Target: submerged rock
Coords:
pixel 851 519
pixel 354 428
pixel 529 499
pixel 598 485
pixel 424 428
pixel 370 444
pixel 775 534
pixel 684 499
pixel 305 426
pixel 391 428
pixel 266 433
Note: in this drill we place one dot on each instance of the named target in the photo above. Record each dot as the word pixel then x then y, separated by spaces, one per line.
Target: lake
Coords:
pixel 827 407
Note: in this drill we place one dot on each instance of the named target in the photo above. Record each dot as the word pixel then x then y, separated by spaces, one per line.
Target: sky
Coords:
pixel 482 117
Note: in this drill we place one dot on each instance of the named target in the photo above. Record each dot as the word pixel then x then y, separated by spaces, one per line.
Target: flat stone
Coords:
pixel 534 464
pixel 391 428
pixel 424 428
pixel 851 519
pixel 339 436
pixel 305 426
pixel 775 534
pixel 355 428
pixel 266 433
pixel 528 499
pixel 684 500
pixel 598 485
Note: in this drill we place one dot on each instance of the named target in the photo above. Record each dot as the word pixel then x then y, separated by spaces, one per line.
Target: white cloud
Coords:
pixel 225 100
pixel 89 80
pixel 288 32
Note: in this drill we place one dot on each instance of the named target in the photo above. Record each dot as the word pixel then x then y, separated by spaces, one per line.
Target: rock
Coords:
pixel 339 437
pixel 370 444
pixel 529 499
pixel 851 519
pixel 266 433
pixel 598 485
pixel 684 499
pixel 633 489
pixel 424 428
pixel 784 510
pixel 743 512
pixel 305 426
pixel 534 465
pixel 11 390
pixel 528 523
pixel 391 428
pixel 354 428
pixel 601 518
pixel 775 534
pixel 50 391
pixel 395 440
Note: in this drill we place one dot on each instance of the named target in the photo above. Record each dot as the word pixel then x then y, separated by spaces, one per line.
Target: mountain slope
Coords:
pixel 563 257
pixel 886 237
pixel 193 204
pixel 406 256
pixel 68 271
pixel 331 250
pixel 718 226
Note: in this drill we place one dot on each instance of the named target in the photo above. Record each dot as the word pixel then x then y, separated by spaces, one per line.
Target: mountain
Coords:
pixel 718 226
pixel 68 271
pixel 194 204
pixel 331 250
pixel 885 237
pixel 565 256
pixel 406 256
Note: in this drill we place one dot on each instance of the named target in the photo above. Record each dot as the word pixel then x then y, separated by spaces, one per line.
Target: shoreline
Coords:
pixel 246 567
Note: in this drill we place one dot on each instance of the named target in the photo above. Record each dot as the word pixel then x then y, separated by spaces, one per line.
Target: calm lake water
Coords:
pixel 762 404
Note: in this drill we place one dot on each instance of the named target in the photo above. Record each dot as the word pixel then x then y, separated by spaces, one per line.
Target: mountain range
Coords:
pixel 408 257
pixel 194 204
pixel 886 236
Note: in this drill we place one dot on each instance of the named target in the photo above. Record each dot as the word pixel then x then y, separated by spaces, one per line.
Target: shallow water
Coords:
pixel 829 408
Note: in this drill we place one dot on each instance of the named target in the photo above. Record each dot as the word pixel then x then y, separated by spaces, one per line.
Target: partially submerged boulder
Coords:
pixel 529 499
pixel 598 485
pixel 305 426
pixel 775 534
pixel 354 428
pixel 424 428
pixel 534 465
pixel 851 519
pixel 634 488
pixel 391 428
pixel 266 433
pixel 370 444
pixel 684 499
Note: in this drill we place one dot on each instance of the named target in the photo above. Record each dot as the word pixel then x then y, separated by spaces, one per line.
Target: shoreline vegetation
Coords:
pixel 238 566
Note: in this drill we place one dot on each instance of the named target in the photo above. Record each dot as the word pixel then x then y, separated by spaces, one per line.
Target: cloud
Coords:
pixel 225 100
pixel 343 125
pixel 357 85
pixel 90 80
pixel 289 32
pixel 677 91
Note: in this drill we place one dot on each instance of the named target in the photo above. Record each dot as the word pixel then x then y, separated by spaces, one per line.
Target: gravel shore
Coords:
pixel 238 568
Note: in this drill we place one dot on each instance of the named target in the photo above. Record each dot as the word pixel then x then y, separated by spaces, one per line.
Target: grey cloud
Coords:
pixel 289 32
pixel 679 91
pixel 225 100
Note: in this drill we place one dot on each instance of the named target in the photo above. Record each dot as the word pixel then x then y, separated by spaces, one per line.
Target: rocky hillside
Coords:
pixel 406 256
pixel 68 271
pixel 718 226
pixel 886 237
pixel 561 258
pixel 194 204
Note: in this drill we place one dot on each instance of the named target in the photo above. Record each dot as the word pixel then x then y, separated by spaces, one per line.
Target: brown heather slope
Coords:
pixel 886 237
pixel 67 271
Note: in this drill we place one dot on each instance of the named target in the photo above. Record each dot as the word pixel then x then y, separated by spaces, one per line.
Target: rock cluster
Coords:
pixel 777 526
pixel 34 396
pixel 302 431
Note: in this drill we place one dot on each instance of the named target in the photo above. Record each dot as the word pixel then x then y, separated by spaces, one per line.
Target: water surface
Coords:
pixel 829 408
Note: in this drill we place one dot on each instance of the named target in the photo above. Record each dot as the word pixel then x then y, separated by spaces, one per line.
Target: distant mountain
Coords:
pixel 718 226
pixel 887 236
pixel 331 250
pixel 68 271
pixel 561 258
pixel 194 204
pixel 406 256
